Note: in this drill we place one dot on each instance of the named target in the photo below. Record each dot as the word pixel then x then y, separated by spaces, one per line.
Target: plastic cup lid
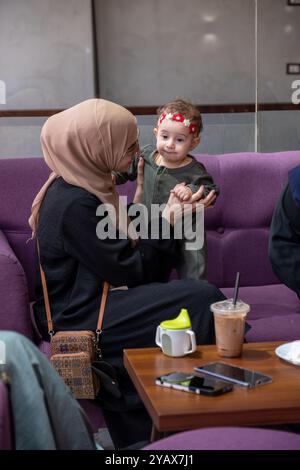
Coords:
pixel 227 306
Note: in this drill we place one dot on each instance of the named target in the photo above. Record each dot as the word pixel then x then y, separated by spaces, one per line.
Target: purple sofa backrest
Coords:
pixel 237 227
pixel 20 180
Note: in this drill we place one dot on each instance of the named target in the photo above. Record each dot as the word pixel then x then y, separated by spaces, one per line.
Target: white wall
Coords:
pixel 46 55
pixel 151 50
pixel 278 40
pixel 46 61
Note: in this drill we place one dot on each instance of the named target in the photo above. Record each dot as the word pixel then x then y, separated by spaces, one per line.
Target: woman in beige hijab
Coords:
pixel 82 146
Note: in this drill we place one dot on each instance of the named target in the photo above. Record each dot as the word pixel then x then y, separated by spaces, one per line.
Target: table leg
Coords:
pixel 155 434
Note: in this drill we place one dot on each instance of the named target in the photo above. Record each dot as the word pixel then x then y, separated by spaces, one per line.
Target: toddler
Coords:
pixel 168 163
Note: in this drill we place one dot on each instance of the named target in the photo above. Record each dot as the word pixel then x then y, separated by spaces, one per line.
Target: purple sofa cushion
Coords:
pixel 250 181
pixel 274 314
pixel 20 180
pixel 268 301
pixel 14 302
pixel 6 430
pixel 240 249
pixel 238 225
pixel 24 249
pixel 275 328
pixel 230 438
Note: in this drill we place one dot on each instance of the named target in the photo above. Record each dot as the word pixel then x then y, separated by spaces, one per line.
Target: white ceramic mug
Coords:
pixel 176 343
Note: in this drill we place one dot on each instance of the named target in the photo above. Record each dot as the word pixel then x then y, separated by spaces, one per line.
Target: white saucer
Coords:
pixel 284 350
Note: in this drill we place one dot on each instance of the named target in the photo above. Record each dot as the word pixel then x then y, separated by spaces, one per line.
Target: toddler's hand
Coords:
pixel 182 192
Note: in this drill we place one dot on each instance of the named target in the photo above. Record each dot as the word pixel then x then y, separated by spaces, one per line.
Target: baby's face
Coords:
pixel 174 141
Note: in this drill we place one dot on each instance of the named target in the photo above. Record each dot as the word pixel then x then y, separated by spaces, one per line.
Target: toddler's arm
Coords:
pixel 203 178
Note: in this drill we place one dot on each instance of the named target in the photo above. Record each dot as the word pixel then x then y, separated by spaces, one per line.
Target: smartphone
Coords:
pixel 194 384
pixel 234 374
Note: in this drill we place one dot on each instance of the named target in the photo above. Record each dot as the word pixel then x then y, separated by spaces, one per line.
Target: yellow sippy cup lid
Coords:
pixel 179 323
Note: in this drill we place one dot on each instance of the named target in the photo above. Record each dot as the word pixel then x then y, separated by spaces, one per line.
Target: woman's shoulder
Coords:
pixel 69 192
pixel 68 197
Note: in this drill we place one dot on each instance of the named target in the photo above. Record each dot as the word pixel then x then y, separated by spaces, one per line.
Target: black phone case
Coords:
pixel 255 378
pixel 226 387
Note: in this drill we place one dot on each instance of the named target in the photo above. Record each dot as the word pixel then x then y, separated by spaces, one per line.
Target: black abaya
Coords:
pixel 76 262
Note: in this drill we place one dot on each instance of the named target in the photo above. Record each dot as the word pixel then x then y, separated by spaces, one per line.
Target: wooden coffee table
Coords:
pixel 172 410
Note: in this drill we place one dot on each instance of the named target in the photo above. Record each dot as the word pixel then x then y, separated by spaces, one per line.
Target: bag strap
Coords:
pixel 46 296
pixel 102 309
pixel 47 303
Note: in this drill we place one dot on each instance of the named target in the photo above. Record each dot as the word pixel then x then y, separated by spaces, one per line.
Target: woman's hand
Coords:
pixel 184 194
pixel 175 207
pixel 138 196
pixel 207 201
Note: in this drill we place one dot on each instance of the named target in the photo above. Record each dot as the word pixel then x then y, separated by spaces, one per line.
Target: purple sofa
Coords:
pixel 229 438
pixel 237 232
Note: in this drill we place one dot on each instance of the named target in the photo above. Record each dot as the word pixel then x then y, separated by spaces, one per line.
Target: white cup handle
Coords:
pixel 193 342
pixel 158 337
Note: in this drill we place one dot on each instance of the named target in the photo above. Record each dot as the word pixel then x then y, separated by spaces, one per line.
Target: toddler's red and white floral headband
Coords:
pixel 178 117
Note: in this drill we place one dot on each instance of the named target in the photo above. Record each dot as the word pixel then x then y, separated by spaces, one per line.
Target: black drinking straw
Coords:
pixel 236 288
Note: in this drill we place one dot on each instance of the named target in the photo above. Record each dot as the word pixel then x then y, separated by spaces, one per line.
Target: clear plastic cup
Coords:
pixel 230 326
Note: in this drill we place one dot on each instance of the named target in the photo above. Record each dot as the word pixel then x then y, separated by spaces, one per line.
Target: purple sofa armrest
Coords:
pixel 14 303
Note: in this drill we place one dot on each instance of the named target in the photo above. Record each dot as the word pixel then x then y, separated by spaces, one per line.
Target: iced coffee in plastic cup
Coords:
pixel 230 326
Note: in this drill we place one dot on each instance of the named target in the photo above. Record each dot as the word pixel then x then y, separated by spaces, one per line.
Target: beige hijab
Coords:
pixel 83 144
